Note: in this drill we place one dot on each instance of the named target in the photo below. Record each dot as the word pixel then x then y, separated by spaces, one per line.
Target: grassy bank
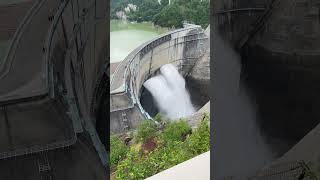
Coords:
pixel 153 148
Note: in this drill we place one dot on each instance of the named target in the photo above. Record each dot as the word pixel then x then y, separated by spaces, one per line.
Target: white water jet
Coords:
pixel 169 91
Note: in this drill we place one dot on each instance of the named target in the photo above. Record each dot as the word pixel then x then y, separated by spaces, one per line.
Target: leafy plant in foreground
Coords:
pixel 176 148
pixel 131 168
pixel 118 150
pixel 147 129
pixel 199 140
pixel 176 131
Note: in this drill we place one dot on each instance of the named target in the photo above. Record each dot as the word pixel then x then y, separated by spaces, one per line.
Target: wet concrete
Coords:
pixel 198 92
pixel 239 149
pixel 262 108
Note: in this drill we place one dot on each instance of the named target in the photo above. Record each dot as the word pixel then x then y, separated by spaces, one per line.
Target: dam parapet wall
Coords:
pixel 181 47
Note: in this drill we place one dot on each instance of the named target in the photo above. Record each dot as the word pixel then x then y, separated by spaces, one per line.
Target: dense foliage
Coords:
pixel 176 131
pixel 146 130
pixel 165 14
pixel 175 145
pixel 119 150
pixel 199 140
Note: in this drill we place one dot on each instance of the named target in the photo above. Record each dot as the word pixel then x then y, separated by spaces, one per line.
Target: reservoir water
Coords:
pixel 126 36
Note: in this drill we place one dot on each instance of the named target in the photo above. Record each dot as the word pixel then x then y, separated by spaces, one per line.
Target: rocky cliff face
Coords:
pixel 198 81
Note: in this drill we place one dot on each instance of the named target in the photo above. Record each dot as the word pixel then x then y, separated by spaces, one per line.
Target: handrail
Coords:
pixel 36 148
pixel 135 52
pixel 51 33
pixel 126 64
pixel 134 99
pixel 128 60
pixel 257 25
pixel 146 114
pixel 46 57
pixel 239 9
pixel 70 44
pixel 56 20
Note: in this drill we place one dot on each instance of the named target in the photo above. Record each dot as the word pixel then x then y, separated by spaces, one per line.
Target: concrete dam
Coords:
pixel 276 61
pixel 186 48
pixel 52 78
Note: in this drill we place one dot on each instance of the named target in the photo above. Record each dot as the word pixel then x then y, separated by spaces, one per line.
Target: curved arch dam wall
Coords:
pixel 182 48
pixel 49 90
pixel 279 51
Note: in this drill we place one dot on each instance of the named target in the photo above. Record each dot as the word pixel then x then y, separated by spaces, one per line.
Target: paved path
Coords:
pixel 195 168
pixel 307 149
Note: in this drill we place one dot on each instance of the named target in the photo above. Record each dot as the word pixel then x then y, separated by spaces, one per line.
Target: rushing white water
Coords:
pixel 169 91
pixel 237 136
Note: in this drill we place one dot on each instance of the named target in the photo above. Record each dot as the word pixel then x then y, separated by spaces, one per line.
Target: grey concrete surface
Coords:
pixel 201 70
pixel 27 125
pixel 182 47
pixel 307 150
pixel 79 161
pixel 23 72
pixel 5 2
pixel 47 87
pixel 280 66
pixel 195 119
pixel 3 49
pixel 11 15
pixel 195 168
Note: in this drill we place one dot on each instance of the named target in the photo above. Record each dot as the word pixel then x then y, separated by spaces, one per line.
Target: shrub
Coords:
pixel 160 118
pixel 178 147
pixel 199 140
pixel 172 155
pixel 146 130
pixel 131 167
pixel 176 131
pixel 118 151
pixel 136 166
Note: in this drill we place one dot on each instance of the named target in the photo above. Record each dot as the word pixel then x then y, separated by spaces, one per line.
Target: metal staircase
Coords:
pixel 44 167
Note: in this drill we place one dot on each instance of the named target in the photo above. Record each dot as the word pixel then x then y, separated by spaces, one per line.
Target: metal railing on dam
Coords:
pixel 74 62
pixel 49 76
pixel 182 47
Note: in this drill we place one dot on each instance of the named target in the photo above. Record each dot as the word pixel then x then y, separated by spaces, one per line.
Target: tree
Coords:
pixel 170 16
pixel 166 15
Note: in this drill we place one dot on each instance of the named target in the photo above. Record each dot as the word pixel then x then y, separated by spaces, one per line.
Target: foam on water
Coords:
pixel 169 92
